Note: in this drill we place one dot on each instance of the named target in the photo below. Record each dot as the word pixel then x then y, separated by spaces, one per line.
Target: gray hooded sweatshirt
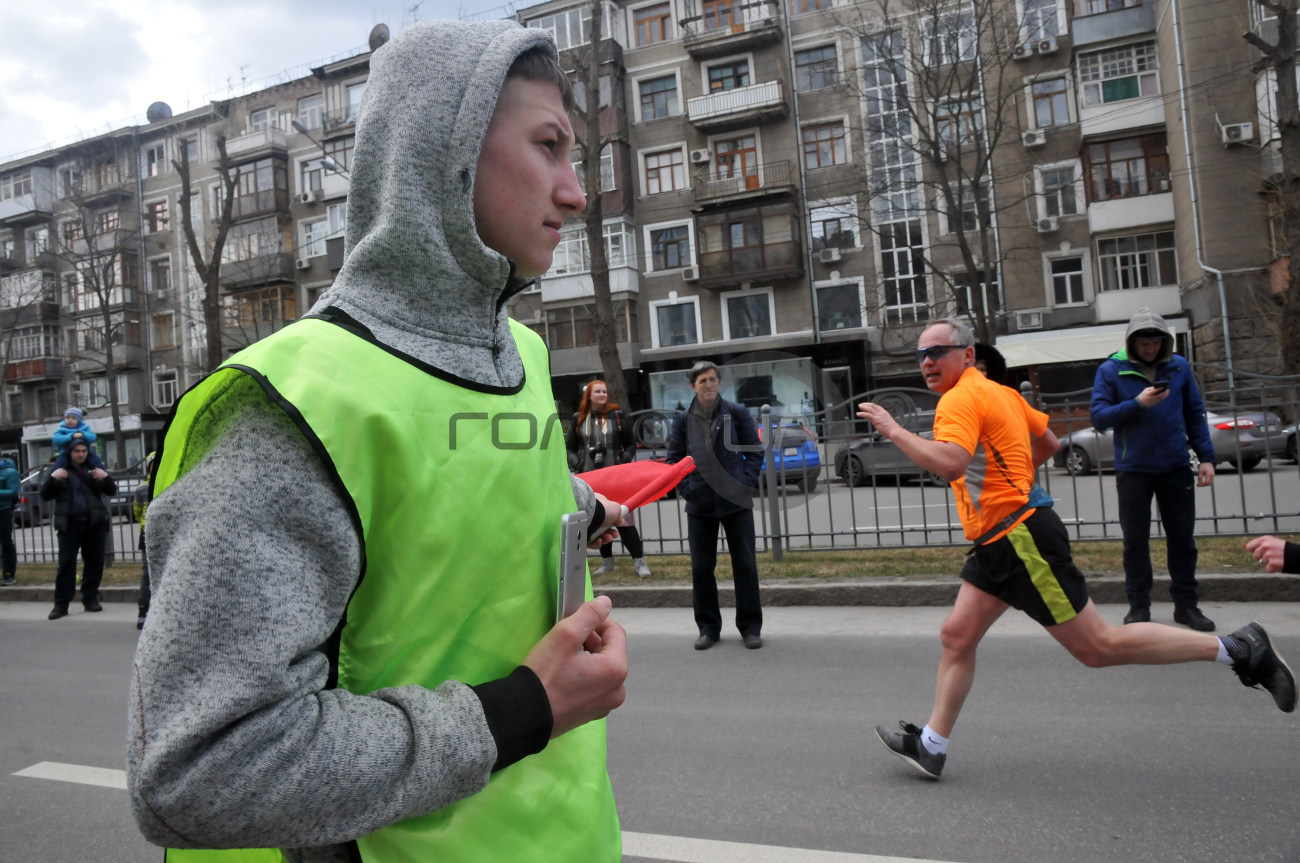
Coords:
pixel 235 737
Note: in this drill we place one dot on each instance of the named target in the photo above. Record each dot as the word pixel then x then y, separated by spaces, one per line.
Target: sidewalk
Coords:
pixel 897 592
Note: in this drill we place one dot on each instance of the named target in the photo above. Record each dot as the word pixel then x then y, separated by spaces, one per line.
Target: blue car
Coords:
pixel 795 456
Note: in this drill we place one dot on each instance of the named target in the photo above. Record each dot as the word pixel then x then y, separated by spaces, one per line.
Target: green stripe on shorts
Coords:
pixel 1040 573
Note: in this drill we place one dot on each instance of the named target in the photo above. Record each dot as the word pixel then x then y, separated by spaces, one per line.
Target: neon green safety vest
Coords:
pixel 458 494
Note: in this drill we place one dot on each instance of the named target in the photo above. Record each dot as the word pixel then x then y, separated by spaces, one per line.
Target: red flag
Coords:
pixel 638 482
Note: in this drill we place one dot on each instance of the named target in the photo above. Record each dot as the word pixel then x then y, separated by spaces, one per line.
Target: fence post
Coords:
pixel 772 480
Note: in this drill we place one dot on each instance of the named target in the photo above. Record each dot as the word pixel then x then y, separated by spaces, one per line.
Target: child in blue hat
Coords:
pixel 74 428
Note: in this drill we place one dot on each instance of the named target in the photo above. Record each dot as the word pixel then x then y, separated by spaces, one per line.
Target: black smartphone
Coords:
pixel 571 587
pixel 1160 386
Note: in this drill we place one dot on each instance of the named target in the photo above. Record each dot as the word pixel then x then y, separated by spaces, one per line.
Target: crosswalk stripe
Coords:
pixel 100 776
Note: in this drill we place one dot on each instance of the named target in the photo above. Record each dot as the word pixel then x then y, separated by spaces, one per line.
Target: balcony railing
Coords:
pixel 37 369
pixel 724 182
pixel 723 29
pixel 257 142
pixel 743 104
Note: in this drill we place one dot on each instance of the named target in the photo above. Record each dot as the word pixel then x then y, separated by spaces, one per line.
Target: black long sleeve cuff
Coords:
pixel 597 519
pixel 1291 558
pixel 518 714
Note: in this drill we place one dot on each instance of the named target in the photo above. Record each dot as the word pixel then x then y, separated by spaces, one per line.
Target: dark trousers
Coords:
pixel 631 538
pixel 8 551
pixel 702 533
pixel 1175 494
pixel 80 537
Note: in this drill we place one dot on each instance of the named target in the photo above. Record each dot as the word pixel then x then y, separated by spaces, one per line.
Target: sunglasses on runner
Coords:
pixel 936 352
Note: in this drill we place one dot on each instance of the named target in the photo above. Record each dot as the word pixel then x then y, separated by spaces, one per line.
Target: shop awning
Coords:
pixel 1082 344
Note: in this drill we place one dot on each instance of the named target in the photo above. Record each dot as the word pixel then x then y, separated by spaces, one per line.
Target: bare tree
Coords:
pixel 24 298
pixel 592 142
pixel 209 267
pixel 939 89
pixel 1281 58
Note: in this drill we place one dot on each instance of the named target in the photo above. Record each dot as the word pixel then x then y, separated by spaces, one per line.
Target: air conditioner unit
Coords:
pixel 304 263
pixel 700 157
pixel 1029 320
pixel 1047 46
pixel 829 256
pixel 311 196
pixel 1238 133
pixel 1047 226
pixel 1023 51
pixel 1033 137
pixel 690 274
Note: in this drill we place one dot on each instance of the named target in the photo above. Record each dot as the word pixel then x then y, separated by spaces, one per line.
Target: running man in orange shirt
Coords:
pixel 988 442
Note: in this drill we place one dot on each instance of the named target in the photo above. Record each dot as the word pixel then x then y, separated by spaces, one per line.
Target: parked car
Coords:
pixel 795 455
pixel 874 457
pixel 1241 440
pixel 29 509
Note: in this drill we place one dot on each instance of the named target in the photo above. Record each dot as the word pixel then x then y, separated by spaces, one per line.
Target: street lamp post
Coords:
pixel 327 161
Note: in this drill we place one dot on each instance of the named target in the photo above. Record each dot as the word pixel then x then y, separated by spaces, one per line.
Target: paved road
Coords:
pixel 735 756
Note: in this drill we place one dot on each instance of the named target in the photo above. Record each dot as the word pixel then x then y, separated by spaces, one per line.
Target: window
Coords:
pixel 572 255
pixel 251 308
pixel 15 407
pixel 833 226
pixel 606 94
pixel 670 248
pixel 155 216
pixel 340 150
pixel 155 160
pixel 815 68
pixel 263 119
pixel 313 238
pixel 659 97
pixel 569 28
pixel 665 171
pixel 160 276
pixel 93 392
pixel 7 248
pixel 747 315
pixel 38 242
pixel 190 147
pixel 47 402
pixel 34 343
pixel 958 123
pixel 311 110
pixel 729 76
pixel 1057 184
pixel 948 39
pixel 902 258
pixel 71 231
pixel 961 292
pixel 652 24
pixel 1067 281
pixel 309 174
pixel 839 307
pixel 1138 261
pixel 1116 74
pixel 69 183
pixel 15 185
pixel 800 6
pixel 721 14
pixel 1128 168
pixel 606 168
pixel 824 145
pixel 260 185
pixel 106 222
pixel 337 214
pixel 1041 21
pixel 354 101
pixel 970 219
pixel 250 240
pixel 164 388
pixel 1096 7
pixel 1051 103
pixel 162 334
pixel 675 322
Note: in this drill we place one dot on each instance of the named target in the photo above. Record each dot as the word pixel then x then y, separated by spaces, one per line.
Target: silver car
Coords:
pixel 874 457
pixel 1242 440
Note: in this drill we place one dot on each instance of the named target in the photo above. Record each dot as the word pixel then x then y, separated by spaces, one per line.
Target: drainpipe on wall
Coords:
pixel 146 326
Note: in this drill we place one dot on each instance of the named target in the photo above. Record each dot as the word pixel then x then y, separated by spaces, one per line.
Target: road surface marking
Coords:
pixel 101 776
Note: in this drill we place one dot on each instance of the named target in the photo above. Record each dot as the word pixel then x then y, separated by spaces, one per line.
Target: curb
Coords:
pixel 886 592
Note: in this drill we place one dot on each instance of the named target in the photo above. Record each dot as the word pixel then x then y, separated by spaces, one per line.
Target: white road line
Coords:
pixel 675 849
pixel 101 776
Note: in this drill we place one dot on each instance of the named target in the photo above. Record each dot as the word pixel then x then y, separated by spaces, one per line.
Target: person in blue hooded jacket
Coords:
pixel 1147 394
pixel 9 492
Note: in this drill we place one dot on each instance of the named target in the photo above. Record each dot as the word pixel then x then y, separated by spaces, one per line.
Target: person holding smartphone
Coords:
pixel 1148 395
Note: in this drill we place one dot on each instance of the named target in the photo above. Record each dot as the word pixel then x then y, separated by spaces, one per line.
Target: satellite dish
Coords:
pixel 378 36
pixel 158 111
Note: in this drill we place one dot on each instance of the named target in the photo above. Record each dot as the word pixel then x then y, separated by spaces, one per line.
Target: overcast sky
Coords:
pixel 72 68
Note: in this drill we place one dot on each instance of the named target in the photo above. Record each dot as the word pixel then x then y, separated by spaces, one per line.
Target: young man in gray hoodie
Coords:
pixel 351 651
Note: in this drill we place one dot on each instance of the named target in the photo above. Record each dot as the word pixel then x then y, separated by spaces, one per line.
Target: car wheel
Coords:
pixel 808 484
pixel 854 474
pixel 1077 462
pixel 1246 464
pixel 1291 451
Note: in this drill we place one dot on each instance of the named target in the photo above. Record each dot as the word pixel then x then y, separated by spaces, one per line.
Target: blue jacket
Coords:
pixel 725 477
pixel 9 490
pixel 62 437
pixel 1155 439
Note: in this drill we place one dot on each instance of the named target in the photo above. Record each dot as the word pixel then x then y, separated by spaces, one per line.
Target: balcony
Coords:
pixel 1123 305
pixel 31 370
pixel 730 28
pixel 8 263
pixel 1105 20
pixel 104 187
pixel 742 106
pixel 727 183
pixel 257 144
pixel 261 270
pixel 33 207
pixel 758 242
pixel 1132 212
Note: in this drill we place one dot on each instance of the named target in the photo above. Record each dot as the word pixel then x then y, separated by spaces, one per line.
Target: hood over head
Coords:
pixel 1148 323
pixel 416 273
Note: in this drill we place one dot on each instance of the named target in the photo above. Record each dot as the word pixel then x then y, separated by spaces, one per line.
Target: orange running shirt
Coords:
pixel 994 424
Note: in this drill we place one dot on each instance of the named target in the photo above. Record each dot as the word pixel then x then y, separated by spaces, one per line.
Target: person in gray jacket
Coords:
pixel 238 734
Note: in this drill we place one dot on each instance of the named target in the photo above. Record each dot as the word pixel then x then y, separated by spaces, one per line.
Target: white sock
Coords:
pixel 933 743
pixel 1223 656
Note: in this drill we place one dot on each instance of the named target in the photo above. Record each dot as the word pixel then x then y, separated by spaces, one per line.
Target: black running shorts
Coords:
pixel 1031 569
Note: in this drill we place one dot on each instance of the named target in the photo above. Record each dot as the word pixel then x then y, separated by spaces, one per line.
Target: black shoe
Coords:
pixel 139 622
pixel 59 611
pixel 1261 667
pixel 705 641
pixel 753 642
pixel 1191 617
pixel 91 605
pixel 906 744
pixel 1138 614
pixel 7 579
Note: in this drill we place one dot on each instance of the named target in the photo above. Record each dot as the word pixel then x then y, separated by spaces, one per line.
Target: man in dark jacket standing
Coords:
pixel 9 492
pixel 722 439
pixel 1148 395
pixel 81 521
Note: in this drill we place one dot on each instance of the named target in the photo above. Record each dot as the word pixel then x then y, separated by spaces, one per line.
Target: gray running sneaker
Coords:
pixel 606 566
pixel 641 567
pixel 1261 667
pixel 906 744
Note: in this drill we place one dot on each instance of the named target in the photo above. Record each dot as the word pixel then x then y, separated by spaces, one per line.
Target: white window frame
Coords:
pixel 1103 258
pixel 608 180
pixel 730 60
pixel 1033 30
pixel 264 119
pixel 829 284
pixel 352 94
pixel 314 234
pixel 724 297
pixel 962 115
pixel 655 151
pixel 147 216
pixel 670 31
pixel 1086 274
pixel 1041 194
pixel 166 391
pixel 845 209
pixel 960 24
pixel 155 160
pixel 673 300
pixel 647 242
pixel 150 266
pixel 311 110
pixel 838 73
pixel 1031 109
pixel 846 138
pixel 676 75
pixel 947 228
pixel 1144 60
